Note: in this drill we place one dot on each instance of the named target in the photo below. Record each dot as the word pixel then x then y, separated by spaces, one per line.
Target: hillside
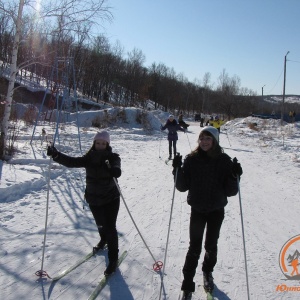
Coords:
pixel 24 95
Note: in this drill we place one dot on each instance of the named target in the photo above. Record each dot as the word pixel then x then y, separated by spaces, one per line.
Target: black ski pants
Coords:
pixel 198 221
pixel 172 144
pixel 106 218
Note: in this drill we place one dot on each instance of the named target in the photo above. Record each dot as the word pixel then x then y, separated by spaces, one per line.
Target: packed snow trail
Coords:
pixel 269 193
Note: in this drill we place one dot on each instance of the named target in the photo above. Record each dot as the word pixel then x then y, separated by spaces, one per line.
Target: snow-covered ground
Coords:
pixel 270 189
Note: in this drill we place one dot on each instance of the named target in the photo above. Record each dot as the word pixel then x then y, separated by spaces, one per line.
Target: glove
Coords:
pixel 177 161
pixel 236 168
pixel 52 151
pixel 115 172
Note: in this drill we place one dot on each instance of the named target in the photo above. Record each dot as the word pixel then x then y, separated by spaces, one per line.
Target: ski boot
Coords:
pixel 208 282
pixel 99 246
pixel 111 268
pixel 187 288
pixel 186 295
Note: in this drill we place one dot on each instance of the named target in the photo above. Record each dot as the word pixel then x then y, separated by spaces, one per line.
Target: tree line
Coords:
pixel 32 41
pixel 103 72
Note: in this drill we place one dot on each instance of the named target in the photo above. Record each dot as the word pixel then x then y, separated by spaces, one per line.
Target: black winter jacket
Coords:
pixel 172 127
pixel 209 181
pixel 100 186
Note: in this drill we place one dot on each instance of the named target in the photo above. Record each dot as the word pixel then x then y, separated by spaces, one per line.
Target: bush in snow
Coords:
pixel 253 126
pixel 30 114
pixel 142 118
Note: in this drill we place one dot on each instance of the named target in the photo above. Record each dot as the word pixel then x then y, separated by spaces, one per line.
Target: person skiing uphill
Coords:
pixel 172 127
pixel 210 176
pixel 101 192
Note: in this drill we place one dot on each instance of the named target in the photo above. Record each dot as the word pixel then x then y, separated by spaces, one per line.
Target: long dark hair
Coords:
pixel 216 149
pixel 108 147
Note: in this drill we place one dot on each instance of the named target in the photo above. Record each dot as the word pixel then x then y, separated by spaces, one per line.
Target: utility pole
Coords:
pixel 202 109
pixel 283 94
pixel 262 99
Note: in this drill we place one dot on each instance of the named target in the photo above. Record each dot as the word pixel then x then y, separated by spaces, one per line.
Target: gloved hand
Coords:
pixel 52 151
pixel 115 172
pixel 236 168
pixel 177 161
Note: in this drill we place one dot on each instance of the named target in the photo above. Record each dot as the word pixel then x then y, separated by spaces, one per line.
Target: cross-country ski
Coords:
pixel 76 265
pixel 105 279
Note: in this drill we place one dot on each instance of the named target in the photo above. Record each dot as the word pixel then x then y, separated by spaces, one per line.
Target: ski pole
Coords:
pixel 228 138
pixel 160 142
pixel 157 264
pixel 41 273
pixel 167 243
pixel 243 232
pixel 188 140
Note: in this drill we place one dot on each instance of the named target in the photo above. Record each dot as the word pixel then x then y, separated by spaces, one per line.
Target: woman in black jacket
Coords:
pixel 101 192
pixel 172 127
pixel 209 176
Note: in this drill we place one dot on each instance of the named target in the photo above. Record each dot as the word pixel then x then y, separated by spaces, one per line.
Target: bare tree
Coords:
pixel 13 70
pixel 154 84
pixel 206 80
pixel 228 89
pixel 67 13
pixel 6 33
pixel 134 76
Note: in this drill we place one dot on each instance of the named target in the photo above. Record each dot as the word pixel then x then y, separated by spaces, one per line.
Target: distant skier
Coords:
pixel 294 117
pixel 291 116
pixel 202 122
pixel 172 127
pixel 181 122
pixel 101 192
pixel 217 123
pixel 209 176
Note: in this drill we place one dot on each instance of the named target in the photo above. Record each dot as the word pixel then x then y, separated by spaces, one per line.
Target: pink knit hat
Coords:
pixel 102 135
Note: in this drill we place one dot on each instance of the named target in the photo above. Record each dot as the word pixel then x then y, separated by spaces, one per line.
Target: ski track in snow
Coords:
pixel 269 192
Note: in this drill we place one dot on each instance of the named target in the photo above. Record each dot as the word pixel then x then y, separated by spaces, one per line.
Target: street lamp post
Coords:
pixel 262 99
pixel 283 93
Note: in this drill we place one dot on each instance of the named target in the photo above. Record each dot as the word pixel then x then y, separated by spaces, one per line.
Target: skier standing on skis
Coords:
pixel 210 176
pixel 172 127
pixel 101 192
pixel 217 123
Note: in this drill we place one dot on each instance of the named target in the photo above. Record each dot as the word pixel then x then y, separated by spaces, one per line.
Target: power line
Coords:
pixel 270 91
pixel 294 61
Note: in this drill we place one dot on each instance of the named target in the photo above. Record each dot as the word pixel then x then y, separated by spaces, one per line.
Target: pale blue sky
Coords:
pixel 247 38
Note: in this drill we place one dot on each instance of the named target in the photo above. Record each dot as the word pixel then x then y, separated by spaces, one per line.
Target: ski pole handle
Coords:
pixel 108 164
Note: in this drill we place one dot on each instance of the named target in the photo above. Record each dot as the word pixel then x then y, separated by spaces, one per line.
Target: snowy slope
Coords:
pixel 270 192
